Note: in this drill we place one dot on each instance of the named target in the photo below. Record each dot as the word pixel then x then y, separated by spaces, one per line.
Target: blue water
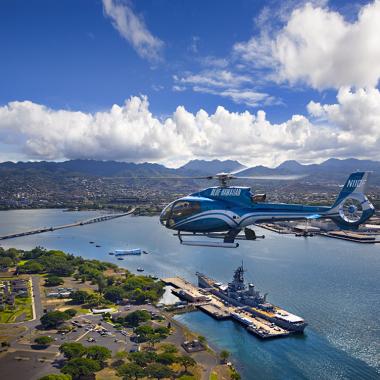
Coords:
pixel 333 284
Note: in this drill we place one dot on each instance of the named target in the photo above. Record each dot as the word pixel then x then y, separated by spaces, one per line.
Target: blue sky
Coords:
pixel 86 55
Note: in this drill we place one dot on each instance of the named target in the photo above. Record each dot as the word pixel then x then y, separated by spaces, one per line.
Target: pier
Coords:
pixel 219 309
pixel 97 219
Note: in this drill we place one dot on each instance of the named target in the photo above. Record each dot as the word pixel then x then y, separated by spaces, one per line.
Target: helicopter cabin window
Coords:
pixel 258 198
pixel 165 215
pixel 183 209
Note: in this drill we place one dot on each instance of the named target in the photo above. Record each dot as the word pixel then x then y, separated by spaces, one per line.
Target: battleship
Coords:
pixel 249 299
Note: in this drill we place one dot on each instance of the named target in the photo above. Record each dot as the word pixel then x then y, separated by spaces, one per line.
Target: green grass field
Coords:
pixel 22 306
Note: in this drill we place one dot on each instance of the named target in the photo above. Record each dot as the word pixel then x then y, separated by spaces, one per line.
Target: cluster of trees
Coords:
pixel 137 289
pixel 149 334
pixel 156 365
pixel 83 361
pixel 53 262
pixel 53 280
pixel 133 319
pixel 8 258
pixel 57 264
pixel 43 261
pixel 82 297
pixel 53 319
pixel 91 270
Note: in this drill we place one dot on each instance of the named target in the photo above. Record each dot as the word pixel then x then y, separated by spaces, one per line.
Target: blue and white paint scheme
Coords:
pixel 231 209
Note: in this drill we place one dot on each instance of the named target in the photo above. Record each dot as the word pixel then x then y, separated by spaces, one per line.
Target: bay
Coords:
pixel 333 284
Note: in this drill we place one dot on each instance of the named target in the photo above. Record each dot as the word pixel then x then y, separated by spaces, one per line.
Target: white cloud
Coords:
pixel 130 132
pixel 224 83
pixel 133 29
pixel 318 47
pixel 357 115
pixel 240 96
pixel 215 78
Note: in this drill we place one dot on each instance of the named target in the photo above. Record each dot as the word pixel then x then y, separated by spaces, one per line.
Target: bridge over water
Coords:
pixel 97 219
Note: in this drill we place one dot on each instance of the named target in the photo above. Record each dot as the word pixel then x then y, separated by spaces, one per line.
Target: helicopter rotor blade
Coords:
pixel 283 177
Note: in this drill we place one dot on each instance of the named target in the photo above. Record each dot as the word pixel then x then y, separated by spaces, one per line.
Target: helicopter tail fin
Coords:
pixel 352 207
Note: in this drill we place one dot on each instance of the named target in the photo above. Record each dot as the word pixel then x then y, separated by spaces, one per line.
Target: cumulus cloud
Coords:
pixel 133 29
pixel 318 47
pixel 131 133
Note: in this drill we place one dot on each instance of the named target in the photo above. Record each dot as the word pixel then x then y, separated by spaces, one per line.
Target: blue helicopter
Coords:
pixel 224 211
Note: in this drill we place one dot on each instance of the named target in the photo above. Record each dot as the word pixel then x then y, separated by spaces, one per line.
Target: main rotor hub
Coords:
pixel 224 178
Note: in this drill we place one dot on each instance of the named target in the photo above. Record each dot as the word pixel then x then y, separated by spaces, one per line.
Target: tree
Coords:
pixel 81 367
pixel 94 299
pixel 79 297
pixel 136 317
pixel 158 371
pixel 131 371
pixel 72 350
pixel 43 340
pixel 101 282
pixel 53 319
pixel 30 267
pixel 142 358
pixel 166 358
pixel 186 361
pixel 224 356
pixel 169 348
pixel 53 280
pixel 55 376
pixel 98 353
pixel 114 294
pixel 5 262
pixel 153 338
pixel 70 313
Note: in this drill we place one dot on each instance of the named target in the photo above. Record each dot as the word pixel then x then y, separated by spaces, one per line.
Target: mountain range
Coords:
pixel 333 169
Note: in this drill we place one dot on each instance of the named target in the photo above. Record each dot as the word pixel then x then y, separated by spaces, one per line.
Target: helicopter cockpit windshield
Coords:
pixel 179 210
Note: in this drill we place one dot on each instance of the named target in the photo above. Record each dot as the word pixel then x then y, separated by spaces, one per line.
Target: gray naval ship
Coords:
pixel 237 293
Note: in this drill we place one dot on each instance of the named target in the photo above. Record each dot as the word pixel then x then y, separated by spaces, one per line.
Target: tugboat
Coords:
pixel 145 252
pixel 91 242
pixel 98 246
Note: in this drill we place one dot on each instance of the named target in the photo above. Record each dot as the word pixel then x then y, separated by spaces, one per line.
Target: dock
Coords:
pixel 219 309
pixel 97 219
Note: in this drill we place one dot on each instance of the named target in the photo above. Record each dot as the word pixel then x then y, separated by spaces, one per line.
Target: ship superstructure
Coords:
pixel 237 293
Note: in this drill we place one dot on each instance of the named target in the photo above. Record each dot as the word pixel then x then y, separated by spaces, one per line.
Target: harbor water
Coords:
pixel 333 284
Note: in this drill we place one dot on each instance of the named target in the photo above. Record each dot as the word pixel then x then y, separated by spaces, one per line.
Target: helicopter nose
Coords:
pixel 165 215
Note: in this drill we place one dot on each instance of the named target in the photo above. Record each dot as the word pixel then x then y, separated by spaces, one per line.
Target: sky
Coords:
pixel 168 81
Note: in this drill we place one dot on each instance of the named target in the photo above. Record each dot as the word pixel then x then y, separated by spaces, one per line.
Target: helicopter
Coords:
pixel 223 212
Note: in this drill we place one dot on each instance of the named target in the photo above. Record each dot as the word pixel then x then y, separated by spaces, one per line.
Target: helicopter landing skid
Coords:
pixel 228 238
pixel 205 243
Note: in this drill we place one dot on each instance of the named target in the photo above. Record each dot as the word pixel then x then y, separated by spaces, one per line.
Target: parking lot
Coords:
pixel 91 330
